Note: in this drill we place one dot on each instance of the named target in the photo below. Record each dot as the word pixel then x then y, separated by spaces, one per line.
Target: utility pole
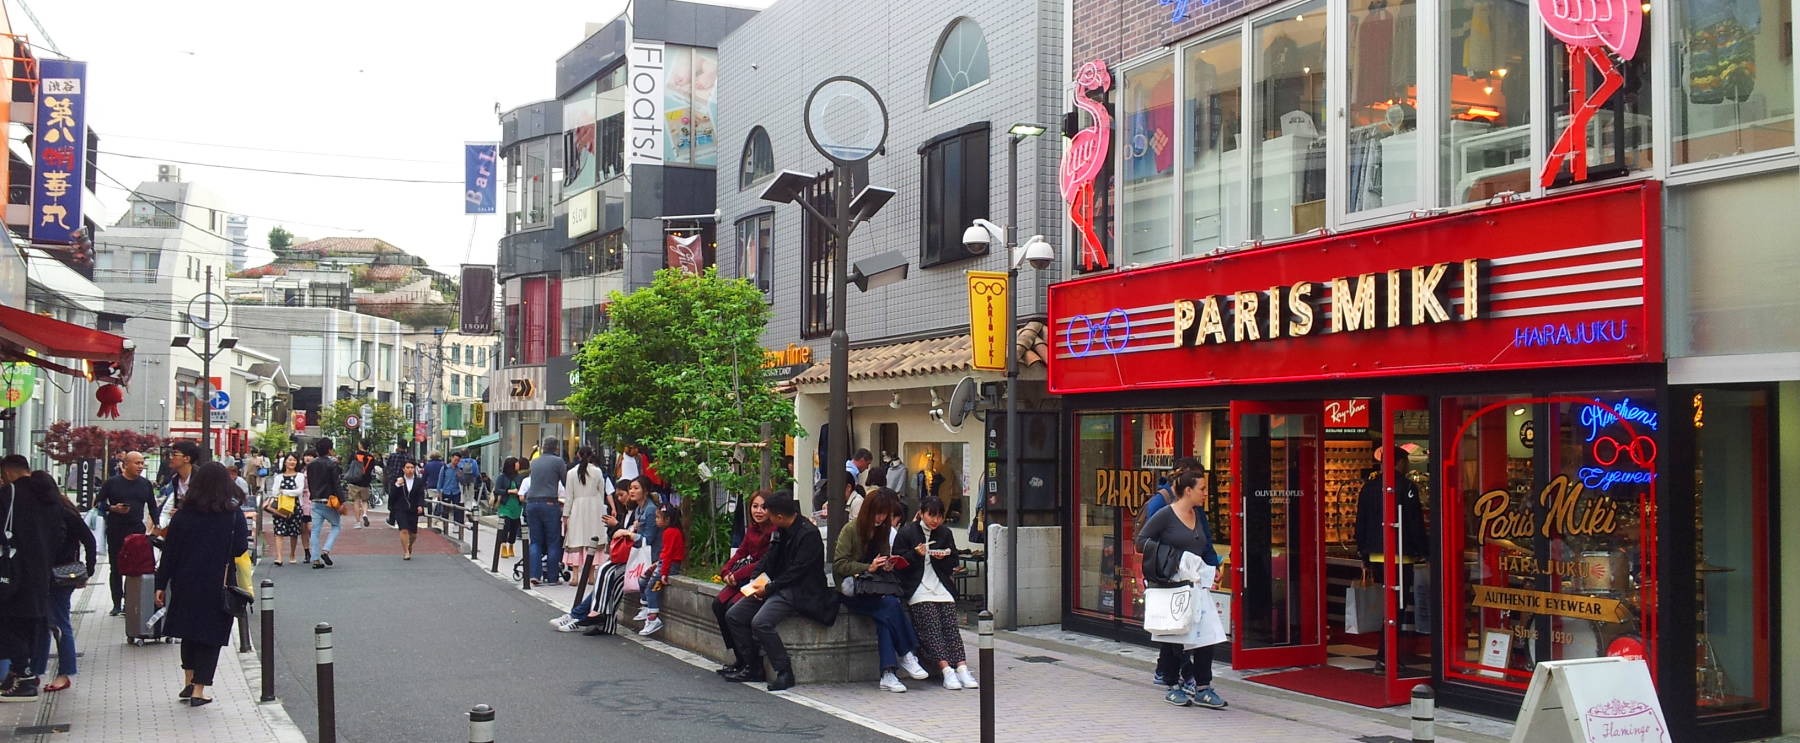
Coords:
pixel 200 315
pixel 437 387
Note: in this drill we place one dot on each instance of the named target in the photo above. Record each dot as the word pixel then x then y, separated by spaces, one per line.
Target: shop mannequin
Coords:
pixel 1412 544
pixel 928 482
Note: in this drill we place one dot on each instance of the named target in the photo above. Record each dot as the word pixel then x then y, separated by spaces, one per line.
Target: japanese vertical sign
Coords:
pixel 480 164
pixel 60 140
pixel 988 323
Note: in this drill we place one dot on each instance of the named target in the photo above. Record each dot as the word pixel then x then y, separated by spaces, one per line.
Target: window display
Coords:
pixel 1147 151
pixel 1733 92
pixel 1383 147
pixel 1212 178
pixel 1288 58
pixel 1486 89
pixel 1732 547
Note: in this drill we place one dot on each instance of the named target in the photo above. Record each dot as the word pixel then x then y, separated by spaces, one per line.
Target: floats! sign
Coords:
pixel 1552 283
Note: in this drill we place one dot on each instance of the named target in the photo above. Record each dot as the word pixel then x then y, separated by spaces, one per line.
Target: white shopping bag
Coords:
pixel 1168 609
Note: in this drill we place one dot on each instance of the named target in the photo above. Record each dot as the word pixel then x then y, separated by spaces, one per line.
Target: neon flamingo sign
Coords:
pixel 1085 158
pixel 1585 26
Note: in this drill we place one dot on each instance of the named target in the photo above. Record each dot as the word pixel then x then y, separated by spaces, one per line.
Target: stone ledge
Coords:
pixel 843 652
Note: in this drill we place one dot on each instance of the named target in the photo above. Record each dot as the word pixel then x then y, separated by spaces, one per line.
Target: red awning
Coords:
pixel 51 337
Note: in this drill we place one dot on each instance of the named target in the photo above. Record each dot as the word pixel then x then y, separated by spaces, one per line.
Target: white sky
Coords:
pixel 357 79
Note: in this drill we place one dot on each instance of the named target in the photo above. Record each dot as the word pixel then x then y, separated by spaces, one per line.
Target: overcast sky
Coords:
pixel 382 88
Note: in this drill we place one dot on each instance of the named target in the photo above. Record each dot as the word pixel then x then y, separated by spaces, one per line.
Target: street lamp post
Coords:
pixel 847 123
pixel 207 323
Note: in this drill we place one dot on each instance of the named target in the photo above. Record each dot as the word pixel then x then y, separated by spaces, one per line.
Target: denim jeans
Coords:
pixel 321 514
pixel 544 519
pixel 893 628
pixel 57 623
pixel 647 586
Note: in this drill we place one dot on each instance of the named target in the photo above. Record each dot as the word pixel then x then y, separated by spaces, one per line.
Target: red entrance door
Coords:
pixel 1399 573
pixel 1277 507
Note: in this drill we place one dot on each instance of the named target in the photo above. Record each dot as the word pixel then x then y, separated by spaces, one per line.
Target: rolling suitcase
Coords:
pixel 140 605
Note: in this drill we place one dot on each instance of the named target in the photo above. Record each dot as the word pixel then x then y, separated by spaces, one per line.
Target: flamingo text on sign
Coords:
pixel 1585 26
pixel 1085 158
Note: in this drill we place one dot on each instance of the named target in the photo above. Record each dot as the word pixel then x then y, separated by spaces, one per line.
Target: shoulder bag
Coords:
pixel 69 575
pixel 236 599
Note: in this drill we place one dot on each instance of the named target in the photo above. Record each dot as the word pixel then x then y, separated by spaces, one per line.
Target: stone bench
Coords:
pixel 846 651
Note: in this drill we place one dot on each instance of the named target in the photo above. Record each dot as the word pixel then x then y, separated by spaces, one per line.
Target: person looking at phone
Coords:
pixel 864 556
pixel 124 499
pixel 931 549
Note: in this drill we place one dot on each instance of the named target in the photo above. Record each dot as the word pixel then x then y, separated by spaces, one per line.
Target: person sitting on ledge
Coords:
pixel 795 566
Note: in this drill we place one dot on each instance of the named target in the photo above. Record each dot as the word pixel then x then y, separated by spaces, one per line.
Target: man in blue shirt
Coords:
pixel 468 473
pixel 449 480
pixel 434 467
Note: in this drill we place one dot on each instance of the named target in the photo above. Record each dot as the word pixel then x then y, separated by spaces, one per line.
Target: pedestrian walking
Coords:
pixel 325 484
pixel 668 563
pixel 184 456
pixel 508 505
pixel 449 484
pixel 930 549
pixel 795 564
pixel 743 566
pixel 75 551
pixel 33 531
pixel 864 556
pixel 125 500
pixel 543 514
pixel 1183 526
pixel 1168 655
pixel 359 476
pixel 287 503
pixel 406 503
pixel 468 476
pixel 586 510
pixel 390 469
pixel 204 538
pixel 434 469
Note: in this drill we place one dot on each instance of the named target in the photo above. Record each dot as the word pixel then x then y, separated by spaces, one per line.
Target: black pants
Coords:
pixel 509 530
pixel 720 609
pixel 18 639
pixel 1190 666
pixel 753 622
pixel 115 579
pixel 202 659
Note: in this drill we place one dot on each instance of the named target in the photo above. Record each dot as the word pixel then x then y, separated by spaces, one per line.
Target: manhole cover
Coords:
pixel 1039 659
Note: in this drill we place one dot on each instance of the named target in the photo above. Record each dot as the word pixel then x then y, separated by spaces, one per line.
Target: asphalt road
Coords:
pixel 420 642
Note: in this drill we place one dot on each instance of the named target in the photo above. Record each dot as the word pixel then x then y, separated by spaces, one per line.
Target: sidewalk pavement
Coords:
pixel 1056 685
pixel 125 692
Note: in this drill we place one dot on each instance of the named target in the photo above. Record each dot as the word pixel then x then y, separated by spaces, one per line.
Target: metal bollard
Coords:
pixel 327 693
pixel 1424 714
pixel 474 538
pixel 495 568
pixel 525 555
pixel 462 519
pixel 481 724
pixel 985 628
pixel 268 640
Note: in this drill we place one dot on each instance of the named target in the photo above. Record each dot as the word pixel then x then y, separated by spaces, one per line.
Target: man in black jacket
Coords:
pixel 25 599
pixel 795 565
pixel 324 478
pixel 125 499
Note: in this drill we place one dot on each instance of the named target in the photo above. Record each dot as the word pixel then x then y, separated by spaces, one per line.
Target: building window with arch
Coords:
pixel 758 161
pixel 961 61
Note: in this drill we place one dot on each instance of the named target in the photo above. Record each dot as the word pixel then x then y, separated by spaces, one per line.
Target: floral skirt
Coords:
pixel 288 526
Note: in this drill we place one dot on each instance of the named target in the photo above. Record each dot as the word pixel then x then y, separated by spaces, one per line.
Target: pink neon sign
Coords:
pixel 1587 27
pixel 1085 158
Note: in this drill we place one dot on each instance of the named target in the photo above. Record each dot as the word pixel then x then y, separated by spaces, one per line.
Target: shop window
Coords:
pixel 533 206
pixel 758 160
pixel 1384 146
pixel 961 61
pixel 581 324
pixel 954 171
pixel 1212 179
pixel 1732 78
pixel 1147 149
pixel 1732 240
pixel 1097 586
pixel 1288 186
pixel 756 251
pixel 1618 137
pixel 1550 501
pixel 934 470
pixel 1486 88
pixel 1733 470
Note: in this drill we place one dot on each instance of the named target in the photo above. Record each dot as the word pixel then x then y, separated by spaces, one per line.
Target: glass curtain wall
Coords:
pixel 1288 59
pixel 1212 178
pixel 1382 145
pixel 1485 78
pixel 1147 120
pixel 1731 85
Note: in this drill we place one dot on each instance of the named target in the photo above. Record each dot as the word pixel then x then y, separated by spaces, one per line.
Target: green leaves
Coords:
pixel 381 430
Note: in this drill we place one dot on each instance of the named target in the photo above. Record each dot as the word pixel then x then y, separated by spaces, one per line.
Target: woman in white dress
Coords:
pixel 587 507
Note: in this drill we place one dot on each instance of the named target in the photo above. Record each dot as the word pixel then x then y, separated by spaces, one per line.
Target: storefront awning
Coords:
pixel 480 442
pixel 22 331
pixel 933 356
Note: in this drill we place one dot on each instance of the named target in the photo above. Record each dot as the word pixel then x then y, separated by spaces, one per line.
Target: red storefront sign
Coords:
pixel 1571 280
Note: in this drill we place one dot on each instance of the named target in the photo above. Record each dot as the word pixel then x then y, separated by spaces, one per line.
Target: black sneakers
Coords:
pixel 23 689
pixel 326 556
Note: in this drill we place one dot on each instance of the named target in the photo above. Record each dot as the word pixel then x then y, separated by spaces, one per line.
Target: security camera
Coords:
pixel 982 235
pixel 1037 251
pixel 895 403
pixel 937 415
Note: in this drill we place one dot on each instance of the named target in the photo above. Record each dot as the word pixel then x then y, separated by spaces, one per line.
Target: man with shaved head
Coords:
pixel 125 498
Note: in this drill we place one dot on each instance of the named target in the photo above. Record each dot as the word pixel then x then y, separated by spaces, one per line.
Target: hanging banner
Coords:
pixel 479 169
pixel 684 252
pixel 59 142
pixel 644 120
pixel 476 297
pixel 987 319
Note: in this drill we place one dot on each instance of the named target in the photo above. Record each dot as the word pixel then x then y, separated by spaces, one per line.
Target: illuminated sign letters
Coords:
pixel 1413 296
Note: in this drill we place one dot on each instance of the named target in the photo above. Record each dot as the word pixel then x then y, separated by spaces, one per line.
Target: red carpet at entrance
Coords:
pixel 1330 682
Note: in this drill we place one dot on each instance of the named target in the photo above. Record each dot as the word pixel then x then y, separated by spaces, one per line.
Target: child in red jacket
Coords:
pixel 674 550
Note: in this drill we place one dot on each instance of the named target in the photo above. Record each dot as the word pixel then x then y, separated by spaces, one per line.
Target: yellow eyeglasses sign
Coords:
pixel 988 323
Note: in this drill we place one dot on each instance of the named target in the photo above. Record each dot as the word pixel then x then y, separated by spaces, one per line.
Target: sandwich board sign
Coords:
pixel 1591 700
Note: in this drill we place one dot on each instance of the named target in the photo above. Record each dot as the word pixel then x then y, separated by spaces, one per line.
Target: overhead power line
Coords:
pixel 277 171
pixel 278 220
pixel 345 155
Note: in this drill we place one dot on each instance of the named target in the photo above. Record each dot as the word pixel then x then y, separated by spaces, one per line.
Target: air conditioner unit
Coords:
pixel 168 173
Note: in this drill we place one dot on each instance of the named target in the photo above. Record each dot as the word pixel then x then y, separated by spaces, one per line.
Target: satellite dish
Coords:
pixel 962 403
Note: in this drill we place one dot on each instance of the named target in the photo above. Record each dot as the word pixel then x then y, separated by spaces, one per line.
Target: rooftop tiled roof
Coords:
pixel 932 356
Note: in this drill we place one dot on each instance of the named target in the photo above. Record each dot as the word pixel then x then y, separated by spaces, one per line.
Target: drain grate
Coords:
pixel 1039 659
pixel 61 727
pixel 1380 739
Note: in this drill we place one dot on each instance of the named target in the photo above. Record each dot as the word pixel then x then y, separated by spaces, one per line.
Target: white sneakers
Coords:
pixel 564 623
pixel 651 627
pixel 950 682
pixel 642 615
pixel 889 683
pixel 910 664
pixel 965 677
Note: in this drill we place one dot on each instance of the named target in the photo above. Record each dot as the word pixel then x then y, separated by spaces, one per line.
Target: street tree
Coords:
pixel 66 443
pixel 680 363
pixel 279 241
pixel 379 431
pixel 275 439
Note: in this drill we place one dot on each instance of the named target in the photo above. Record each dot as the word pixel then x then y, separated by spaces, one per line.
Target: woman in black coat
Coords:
pixel 204 538
pixel 406 502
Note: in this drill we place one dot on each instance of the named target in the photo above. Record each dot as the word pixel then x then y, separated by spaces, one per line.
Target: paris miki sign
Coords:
pixel 1568 280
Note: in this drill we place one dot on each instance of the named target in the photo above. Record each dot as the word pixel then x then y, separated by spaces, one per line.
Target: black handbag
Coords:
pixel 1161 563
pixel 236 600
pixel 877 583
pixel 69 575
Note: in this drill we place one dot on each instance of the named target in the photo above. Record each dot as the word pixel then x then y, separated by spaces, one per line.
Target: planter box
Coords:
pixel 846 651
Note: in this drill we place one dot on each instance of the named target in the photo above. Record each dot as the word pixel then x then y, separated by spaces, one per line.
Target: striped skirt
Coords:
pixel 609 592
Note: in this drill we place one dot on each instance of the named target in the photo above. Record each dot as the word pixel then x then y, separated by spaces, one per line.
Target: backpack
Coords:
pixel 135 556
pixel 359 469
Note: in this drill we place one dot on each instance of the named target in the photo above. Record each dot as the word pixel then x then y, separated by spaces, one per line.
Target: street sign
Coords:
pixel 352 422
pixel 299 420
pixel 220 416
pixel 219 400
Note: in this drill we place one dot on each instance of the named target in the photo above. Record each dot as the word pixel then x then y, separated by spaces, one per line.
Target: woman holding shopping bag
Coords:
pixel 1182 527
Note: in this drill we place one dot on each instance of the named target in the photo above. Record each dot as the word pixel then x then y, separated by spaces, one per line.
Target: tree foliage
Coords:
pixel 274 440
pixel 280 240
pixel 682 358
pixel 66 443
pixel 386 426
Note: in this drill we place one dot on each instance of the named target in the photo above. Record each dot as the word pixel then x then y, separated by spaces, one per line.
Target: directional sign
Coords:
pixel 352 421
pixel 219 400
pixel 220 417
pixel 523 388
